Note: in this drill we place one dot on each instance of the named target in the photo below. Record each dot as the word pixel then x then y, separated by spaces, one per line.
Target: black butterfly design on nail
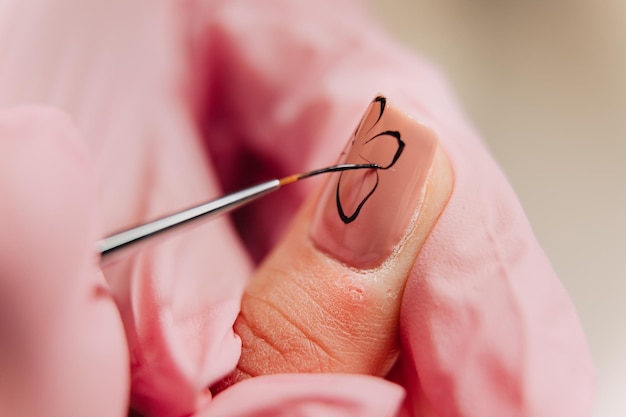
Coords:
pixel 365 134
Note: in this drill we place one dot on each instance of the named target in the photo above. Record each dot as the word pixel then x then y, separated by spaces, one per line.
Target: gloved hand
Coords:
pixel 62 345
pixel 179 101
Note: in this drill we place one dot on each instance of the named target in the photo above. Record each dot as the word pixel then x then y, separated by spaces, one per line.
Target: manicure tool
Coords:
pixel 136 236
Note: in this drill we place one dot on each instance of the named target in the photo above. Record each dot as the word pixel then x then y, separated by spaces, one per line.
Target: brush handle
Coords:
pixel 145 232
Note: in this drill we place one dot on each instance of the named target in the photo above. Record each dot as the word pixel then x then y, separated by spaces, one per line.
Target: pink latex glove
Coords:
pixel 177 101
pixel 61 338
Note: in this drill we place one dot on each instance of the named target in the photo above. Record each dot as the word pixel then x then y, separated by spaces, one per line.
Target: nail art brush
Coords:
pixel 136 236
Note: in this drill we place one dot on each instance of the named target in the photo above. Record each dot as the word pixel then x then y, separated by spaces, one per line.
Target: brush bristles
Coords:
pixel 334 168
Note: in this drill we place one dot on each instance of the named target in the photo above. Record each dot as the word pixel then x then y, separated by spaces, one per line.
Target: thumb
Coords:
pixel 328 298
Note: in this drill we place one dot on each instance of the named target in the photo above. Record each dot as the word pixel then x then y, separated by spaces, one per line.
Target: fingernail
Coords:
pixel 364 215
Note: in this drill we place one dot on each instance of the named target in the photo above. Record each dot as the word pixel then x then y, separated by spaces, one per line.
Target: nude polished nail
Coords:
pixel 363 215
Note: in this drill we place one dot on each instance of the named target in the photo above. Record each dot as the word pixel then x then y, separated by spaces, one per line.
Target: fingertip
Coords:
pixel 49 188
pixel 328 298
pixel 60 331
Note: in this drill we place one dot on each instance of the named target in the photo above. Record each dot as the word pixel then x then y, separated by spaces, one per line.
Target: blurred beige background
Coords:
pixel 545 83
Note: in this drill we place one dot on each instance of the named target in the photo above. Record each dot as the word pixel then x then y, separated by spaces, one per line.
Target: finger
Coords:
pixel 486 324
pixel 122 71
pixel 308 396
pixel 328 298
pixel 62 346
pixel 179 298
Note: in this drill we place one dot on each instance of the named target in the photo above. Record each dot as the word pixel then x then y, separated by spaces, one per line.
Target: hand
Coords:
pixel 176 104
pixel 62 345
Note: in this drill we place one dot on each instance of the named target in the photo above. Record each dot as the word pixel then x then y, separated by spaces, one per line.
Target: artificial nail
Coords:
pixel 363 215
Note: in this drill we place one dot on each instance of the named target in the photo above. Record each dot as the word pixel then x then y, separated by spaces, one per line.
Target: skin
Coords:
pixel 306 312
